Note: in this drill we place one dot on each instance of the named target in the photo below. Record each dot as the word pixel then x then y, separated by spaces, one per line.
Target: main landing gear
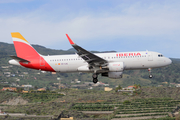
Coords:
pixel 150 75
pixel 94 76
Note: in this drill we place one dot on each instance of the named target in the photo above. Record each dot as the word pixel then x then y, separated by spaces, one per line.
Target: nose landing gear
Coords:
pixel 94 76
pixel 150 75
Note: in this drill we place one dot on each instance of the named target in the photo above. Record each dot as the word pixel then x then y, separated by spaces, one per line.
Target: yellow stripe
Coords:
pixel 18 35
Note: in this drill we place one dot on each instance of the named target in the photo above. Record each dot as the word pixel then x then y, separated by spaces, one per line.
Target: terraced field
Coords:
pixel 129 110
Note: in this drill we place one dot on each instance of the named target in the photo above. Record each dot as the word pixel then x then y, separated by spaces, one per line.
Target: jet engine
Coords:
pixel 114 75
pixel 116 66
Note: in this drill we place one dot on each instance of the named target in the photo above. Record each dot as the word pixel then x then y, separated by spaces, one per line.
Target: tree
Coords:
pixel 47 88
pixel 136 86
pixel 118 88
pixel 139 86
pixel 36 87
pixel 20 90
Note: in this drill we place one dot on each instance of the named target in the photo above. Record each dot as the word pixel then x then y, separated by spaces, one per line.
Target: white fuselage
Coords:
pixel 109 65
pixel 146 59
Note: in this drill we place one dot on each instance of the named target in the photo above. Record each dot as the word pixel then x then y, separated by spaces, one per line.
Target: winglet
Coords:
pixel 71 42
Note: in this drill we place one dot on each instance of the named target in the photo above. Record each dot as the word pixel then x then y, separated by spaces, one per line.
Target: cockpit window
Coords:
pixel 160 55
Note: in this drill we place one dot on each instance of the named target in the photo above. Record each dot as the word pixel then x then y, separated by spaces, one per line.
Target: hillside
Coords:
pixel 146 102
pixel 168 74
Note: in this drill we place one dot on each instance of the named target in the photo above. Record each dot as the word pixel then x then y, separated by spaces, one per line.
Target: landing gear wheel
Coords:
pixel 94 76
pixel 95 80
pixel 150 76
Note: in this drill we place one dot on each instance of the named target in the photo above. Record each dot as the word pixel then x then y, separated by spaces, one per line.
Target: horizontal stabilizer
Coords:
pixel 19 59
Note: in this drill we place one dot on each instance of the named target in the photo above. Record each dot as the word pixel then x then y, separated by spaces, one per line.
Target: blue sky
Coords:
pixel 103 25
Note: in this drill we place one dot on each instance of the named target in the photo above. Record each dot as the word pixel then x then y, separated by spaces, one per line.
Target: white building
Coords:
pixel 26 85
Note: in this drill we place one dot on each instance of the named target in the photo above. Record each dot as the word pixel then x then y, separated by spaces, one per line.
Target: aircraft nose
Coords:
pixel 169 61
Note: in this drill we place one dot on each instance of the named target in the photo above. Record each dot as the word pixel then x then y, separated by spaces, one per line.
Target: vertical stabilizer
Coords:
pixel 23 48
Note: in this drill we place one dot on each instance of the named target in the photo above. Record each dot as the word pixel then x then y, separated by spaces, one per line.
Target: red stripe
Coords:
pixel 36 64
pixel 27 52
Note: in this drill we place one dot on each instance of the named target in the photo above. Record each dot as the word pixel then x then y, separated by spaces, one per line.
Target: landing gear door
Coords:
pixel 150 56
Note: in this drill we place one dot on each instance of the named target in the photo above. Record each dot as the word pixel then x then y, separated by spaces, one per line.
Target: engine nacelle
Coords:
pixel 84 68
pixel 116 66
pixel 114 75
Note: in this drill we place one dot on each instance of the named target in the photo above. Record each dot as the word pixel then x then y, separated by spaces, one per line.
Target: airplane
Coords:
pixel 109 65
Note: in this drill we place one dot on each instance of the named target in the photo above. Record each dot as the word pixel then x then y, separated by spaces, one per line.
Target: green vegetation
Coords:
pixel 92 107
pixel 76 101
pixel 126 102
pixel 164 118
pixel 5 95
pixel 118 88
pixel 41 97
pixel 133 108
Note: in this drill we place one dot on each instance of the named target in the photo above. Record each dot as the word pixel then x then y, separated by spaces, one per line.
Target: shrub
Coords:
pixel 126 102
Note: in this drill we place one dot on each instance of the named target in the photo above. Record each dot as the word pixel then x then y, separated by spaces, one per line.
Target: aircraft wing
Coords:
pixel 89 57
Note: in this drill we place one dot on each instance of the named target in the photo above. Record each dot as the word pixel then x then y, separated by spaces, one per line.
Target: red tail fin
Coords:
pixel 27 56
pixel 23 48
